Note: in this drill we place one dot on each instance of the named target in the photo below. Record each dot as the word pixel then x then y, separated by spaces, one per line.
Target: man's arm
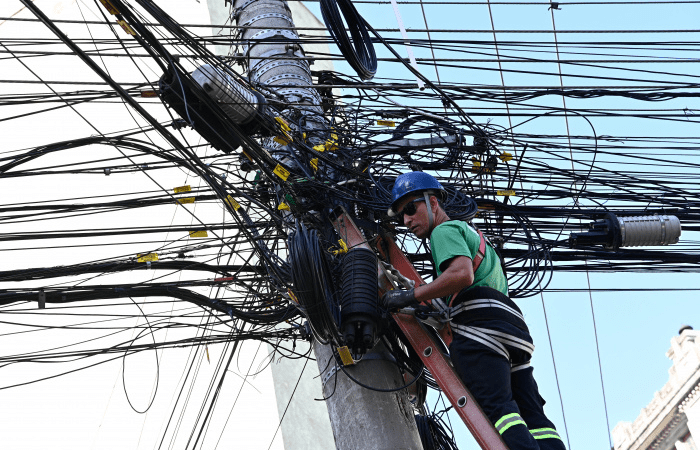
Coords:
pixel 458 275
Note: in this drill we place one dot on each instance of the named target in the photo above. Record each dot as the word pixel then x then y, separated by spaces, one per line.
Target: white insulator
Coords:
pixel 238 102
pixel 638 231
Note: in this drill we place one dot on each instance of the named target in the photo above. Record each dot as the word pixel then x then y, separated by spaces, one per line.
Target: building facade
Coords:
pixel 672 420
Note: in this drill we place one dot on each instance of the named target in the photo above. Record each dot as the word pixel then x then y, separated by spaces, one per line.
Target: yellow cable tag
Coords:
pixel 146 257
pixel 126 27
pixel 149 94
pixel 281 172
pixel 331 145
pixel 320 148
pixel 507 192
pixel 386 123
pixel 283 123
pixel 200 233
pixel 477 167
pixel 505 156
pixel 283 207
pixel 345 356
pixel 179 189
pixel 314 164
pixel 109 7
pixel 233 203
pixel 342 250
pixel 283 139
pixel 182 201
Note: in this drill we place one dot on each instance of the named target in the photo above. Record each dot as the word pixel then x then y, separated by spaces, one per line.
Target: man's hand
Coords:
pixel 398 299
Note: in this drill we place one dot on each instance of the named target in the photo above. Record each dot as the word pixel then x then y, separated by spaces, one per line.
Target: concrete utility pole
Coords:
pixel 361 419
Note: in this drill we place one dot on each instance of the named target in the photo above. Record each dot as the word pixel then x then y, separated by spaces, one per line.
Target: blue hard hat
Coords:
pixel 414 182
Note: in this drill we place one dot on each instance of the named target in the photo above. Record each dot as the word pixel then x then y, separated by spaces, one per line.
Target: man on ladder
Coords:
pixel 491 346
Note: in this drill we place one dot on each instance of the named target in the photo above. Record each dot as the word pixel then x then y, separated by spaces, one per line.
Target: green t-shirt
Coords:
pixel 456 238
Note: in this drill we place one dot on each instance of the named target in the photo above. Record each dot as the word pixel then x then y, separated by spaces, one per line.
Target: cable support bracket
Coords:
pixel 263 65
pixel 252 20
pixel 261 36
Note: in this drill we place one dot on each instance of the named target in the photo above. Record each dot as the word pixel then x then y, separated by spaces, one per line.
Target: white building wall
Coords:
pixel 672 419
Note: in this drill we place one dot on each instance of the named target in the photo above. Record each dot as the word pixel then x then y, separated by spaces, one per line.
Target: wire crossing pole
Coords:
pixel 360 418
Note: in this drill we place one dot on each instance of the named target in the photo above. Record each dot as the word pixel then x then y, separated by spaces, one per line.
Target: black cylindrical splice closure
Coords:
pixel 359 304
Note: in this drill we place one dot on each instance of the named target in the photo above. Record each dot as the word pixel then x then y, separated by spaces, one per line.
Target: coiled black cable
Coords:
pixel 357 49
pixel 313 284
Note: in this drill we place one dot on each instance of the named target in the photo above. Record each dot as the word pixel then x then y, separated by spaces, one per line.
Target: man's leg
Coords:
pixel 530 404
pixel 487 375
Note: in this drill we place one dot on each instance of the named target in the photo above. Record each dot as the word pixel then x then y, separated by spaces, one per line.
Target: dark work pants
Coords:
pixel 508 398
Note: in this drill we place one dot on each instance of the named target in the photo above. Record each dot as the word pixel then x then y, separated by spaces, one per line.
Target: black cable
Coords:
pixel 357 49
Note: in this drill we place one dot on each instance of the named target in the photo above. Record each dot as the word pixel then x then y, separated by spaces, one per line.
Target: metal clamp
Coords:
pixel 395 276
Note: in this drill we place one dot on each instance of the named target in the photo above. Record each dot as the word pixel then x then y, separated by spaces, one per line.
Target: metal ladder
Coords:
pixel 422 342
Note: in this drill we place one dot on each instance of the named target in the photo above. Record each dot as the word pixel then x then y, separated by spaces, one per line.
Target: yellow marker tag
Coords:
pixel 125 26
pixel 246 155
pixel 149 94
pixel 182 201
pixel 320 148
pixel 506 192
pixel 147 257
pixel 342 250
pixel 283 207
pixel 233 203
pixel 386 123
pixel 314 164
pixel 505 156
pixel 283 123
pixel 281 172
pixel 283 139
pixel 206 347
pixel 331 145
pixel 200 233
pixel 182 189
pixel 345 356
pixel 109 7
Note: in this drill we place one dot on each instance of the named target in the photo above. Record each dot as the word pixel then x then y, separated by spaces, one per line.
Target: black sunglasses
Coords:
pixel 409 209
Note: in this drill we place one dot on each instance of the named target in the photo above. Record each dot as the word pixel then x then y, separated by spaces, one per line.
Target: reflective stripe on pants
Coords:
pixel 545 433
pixel 508 421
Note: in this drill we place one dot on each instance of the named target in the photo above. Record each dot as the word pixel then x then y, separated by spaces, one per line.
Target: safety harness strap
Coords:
pixel 476 262
pixel 481 303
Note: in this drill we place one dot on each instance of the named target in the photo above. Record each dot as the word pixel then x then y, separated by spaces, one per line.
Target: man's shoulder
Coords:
pixel 456 225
